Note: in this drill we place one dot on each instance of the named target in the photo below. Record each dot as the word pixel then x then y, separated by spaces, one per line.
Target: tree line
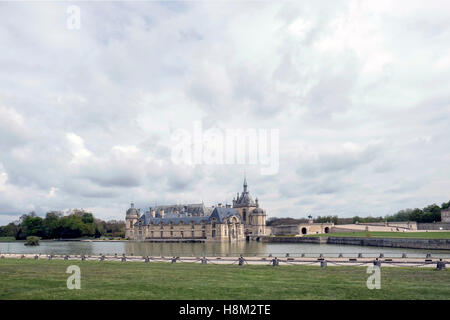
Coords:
pixel 429 214
pixel 57 225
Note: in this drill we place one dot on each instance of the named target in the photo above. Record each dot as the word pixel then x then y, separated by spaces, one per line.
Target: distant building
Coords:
pixel 302 229
pixel 197 222
pixel 445 215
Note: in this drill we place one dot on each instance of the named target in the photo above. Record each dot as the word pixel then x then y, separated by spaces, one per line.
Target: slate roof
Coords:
pixel 219 213
pixel 195 209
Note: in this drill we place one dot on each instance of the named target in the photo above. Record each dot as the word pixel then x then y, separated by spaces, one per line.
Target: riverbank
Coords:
pixel 381 234
pixel 44 279
pixel 407 243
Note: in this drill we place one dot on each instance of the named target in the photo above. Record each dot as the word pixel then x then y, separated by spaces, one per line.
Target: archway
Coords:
pixel 304 230
pixel 327 229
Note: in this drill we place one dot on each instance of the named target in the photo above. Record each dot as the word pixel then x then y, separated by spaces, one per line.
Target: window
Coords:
pixel 213 233
pixel 192 225
pixel 171 233
pixel 244 215
pixel 193 234
pixel 182 234
pixel 162 233
pixel 152 234
pixel 204 234
pixel 161 226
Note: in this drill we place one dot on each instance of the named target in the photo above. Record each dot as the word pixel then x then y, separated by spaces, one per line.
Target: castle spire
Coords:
pixel 245 184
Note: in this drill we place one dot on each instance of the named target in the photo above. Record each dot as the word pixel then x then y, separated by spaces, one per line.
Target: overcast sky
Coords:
pixel 359 91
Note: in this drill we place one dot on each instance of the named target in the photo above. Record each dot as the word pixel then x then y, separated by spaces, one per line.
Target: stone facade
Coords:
pixel 302 229
pixel 195 222
pixel 445 215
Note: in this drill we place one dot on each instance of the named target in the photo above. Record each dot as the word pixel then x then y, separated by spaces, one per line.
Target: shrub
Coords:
pixel 32 241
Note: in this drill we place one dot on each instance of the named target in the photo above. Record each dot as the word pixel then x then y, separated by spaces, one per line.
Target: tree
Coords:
pixel 445 205
pixel 32 226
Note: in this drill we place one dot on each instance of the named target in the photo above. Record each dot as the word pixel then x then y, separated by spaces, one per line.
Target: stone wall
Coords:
pixel 433 226
pixel 438 244
pixel 441 244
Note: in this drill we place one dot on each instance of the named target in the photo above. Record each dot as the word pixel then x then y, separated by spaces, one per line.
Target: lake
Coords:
pixel 208 248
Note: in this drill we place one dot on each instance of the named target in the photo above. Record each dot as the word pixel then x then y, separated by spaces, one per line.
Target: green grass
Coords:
pixel 374 234
pixel 44 279
pixel 7 239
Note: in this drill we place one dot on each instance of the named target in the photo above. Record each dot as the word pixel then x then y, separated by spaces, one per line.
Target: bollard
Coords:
pixel 275 262
pixel 323 264
pixel 377 262
pixel 440 265
pixel 241 261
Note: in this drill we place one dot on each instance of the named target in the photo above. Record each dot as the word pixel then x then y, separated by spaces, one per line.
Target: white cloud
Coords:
pixel 358 90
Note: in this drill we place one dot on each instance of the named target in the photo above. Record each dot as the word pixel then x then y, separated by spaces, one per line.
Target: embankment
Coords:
pixel 432 244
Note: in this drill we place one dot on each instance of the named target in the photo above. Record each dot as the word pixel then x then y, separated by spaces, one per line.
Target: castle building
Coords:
pixel 196 222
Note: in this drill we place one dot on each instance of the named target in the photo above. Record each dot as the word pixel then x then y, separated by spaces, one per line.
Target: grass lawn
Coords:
pixel 376 234
pixel 44 279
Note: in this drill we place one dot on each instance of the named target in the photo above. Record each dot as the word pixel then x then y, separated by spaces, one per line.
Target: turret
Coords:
pixel 131 218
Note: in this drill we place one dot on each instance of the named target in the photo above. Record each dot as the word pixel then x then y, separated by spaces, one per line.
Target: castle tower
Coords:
pixel 244 204
pixel 258 220
pixel 131 218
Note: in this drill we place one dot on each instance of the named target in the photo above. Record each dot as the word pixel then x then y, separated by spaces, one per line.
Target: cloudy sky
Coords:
pixel 359 91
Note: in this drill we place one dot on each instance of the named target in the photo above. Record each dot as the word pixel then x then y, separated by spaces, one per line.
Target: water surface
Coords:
pixel 209 249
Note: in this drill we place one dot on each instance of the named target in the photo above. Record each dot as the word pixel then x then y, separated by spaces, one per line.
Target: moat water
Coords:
pixel 209 249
